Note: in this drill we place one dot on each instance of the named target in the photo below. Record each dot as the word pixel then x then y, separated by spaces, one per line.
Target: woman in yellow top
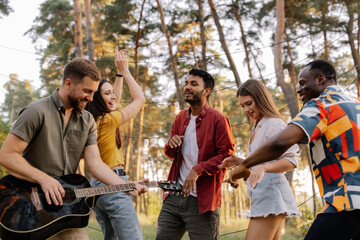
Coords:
pixel 115 212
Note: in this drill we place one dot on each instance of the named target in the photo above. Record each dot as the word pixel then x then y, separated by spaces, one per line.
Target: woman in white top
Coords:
pixel 271 197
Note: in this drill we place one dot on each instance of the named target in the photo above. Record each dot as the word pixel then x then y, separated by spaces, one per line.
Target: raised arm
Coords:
pixel 138 96
pixel 121 64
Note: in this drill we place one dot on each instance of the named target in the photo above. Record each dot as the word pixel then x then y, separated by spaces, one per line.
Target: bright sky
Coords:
pixel 16 50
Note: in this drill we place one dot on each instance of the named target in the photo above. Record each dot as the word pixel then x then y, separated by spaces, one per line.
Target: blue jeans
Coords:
pixel 116 215
pixel 179 214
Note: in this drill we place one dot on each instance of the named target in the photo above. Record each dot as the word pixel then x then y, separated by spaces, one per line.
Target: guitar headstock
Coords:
pixel 169 186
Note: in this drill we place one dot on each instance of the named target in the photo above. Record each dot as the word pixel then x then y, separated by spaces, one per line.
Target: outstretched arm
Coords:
pixel 103 172
pixel 291 135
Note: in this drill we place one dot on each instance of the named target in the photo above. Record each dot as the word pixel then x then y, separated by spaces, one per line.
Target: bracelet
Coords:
pixel 119 75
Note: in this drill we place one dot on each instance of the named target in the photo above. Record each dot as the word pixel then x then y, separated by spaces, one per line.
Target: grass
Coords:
pixel 233 229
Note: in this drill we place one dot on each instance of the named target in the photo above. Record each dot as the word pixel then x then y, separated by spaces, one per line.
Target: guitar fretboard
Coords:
pixel 85 192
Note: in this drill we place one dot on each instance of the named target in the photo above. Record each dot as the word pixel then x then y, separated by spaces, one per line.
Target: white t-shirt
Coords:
pixel 190 151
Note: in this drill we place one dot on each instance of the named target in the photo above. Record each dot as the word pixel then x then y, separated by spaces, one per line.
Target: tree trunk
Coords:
pixel 88 28
pixel 236 202
pixel 202 36
pixel 223 43
pixel 292 70
pixel 136 74
pixel 355 56
pixel 78 29
pixel 173 58
pixel 324 10
pixel 235 9
pixel 358 37
pixel 258 67
pixel 139 152
pixel 226 203
pixel 128 147
pixel 192 43
pixel 289 95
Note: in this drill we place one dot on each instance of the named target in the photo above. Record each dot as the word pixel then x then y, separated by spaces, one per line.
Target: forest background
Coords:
pixel 234 40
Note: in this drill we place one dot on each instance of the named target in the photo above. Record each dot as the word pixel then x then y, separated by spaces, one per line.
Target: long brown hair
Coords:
pixel 98 108
pixel 261 96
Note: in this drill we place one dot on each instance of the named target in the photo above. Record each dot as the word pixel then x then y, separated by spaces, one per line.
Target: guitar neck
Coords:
pixel 93 191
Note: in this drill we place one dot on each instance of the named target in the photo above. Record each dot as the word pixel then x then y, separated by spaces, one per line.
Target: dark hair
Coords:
pixel 98 108
pixel 209 81
pixel 79 68
pixel 261 96
pixel 323 67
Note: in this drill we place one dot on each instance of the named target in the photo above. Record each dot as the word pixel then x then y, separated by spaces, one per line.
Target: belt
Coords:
pixel 119 172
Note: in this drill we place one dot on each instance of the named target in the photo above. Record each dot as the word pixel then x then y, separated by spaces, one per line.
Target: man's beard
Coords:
pixel 75 103
pixel 196 98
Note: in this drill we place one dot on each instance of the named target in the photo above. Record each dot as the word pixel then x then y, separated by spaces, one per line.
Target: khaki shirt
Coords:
pixel 52 148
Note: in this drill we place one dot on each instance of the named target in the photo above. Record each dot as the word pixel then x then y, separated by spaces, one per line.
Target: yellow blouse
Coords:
pixel 110 154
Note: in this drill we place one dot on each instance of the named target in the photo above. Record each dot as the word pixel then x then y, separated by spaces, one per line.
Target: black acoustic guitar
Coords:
pixel 25 214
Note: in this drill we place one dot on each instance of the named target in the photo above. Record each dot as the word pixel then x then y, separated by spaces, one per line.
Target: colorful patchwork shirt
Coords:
pixel 332 125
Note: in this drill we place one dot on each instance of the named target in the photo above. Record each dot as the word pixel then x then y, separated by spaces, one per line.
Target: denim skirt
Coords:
pixel 273 195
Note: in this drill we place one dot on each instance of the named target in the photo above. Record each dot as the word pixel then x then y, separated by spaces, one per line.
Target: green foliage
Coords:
pixel 5 8
pixel 117 19
pixel 4 130
pixel 19 95
pixel 54 24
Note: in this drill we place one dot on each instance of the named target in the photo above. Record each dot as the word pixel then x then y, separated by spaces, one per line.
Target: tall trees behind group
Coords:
pixel 164 39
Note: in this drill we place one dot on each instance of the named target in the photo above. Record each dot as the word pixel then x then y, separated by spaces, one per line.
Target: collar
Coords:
pixel 331 89
pixel 59 104
pixel 202 114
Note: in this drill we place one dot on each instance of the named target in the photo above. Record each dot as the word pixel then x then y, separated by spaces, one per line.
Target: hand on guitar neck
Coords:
pixel 140 187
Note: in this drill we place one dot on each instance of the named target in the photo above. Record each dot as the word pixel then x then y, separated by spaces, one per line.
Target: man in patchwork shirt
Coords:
pixel 330 123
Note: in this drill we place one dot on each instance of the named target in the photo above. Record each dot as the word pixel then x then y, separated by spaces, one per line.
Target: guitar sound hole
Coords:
pixel 70 196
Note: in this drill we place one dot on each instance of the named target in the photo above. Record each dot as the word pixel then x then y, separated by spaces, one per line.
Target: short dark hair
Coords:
pixel 79 68
pixel 323 67
pixel 209 81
